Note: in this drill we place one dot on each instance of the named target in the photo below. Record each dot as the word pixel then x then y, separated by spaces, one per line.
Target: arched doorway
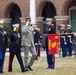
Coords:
pixel 13 12
pixel 48 11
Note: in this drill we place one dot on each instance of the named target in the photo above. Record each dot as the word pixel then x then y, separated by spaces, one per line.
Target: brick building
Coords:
pixel 62 11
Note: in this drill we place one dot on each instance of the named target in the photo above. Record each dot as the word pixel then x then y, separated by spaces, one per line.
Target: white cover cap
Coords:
pixel 49 19
pixel 62 25
pixel 15 25
pixel 38 29
pixel 34 25
pixel 1 21
pixel 69 25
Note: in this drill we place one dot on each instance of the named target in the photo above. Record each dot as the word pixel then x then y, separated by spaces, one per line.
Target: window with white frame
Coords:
pixel 72 19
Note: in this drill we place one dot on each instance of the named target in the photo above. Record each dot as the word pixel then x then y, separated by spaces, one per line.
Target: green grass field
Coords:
pixel 63 66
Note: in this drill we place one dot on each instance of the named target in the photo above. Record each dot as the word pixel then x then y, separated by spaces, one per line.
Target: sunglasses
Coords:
pixel 47 21
pixel 29 20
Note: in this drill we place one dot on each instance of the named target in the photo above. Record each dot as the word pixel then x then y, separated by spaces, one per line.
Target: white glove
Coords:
pixel 7 49
pixel 27 23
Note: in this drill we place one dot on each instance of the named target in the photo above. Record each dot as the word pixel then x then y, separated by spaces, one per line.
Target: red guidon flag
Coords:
pixel 53 43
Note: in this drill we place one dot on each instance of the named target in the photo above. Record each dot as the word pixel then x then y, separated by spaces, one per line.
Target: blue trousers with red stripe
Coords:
pixel 37 49
pixel 50 59
pixel 63 46
pixel 69 46
pixel 2 56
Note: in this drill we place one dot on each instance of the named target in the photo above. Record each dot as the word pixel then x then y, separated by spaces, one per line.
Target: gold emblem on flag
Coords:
pixel 49 44
pixel 53 45
pixel 56 37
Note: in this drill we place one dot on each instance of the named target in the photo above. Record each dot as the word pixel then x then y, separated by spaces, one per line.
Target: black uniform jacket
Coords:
pixel 3 40
pixel 70 37
pixel 36 36
pixel 63 36
pixel 14 42
pixel 49 30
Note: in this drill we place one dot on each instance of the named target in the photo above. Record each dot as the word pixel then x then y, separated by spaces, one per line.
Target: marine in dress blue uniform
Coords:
pixel 75 41
pixel 39 41
pixel 14 48
pixel 63 43
pixel 50 57
pixel 36 39
pixel 3 45
pixel 70 38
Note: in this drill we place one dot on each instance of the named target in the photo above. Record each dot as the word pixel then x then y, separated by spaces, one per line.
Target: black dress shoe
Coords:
pixel 24 70
pixel 9 70
pixel 49 68
pixel 1 72
pixel 29 67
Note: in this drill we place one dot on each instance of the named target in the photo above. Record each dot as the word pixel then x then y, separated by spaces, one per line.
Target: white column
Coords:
pixel 32 12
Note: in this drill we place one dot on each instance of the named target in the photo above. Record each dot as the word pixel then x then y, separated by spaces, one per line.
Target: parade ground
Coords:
pixel 63 66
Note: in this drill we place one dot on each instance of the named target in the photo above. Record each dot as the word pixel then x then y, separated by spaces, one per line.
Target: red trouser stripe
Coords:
pixel 37 51
pixel 53 61
pixel 9 60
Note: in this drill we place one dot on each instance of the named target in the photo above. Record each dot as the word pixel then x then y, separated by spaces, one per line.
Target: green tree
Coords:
pixel 7 27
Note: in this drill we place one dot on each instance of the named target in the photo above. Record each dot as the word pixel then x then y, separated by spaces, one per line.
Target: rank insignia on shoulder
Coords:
pixel 4 32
